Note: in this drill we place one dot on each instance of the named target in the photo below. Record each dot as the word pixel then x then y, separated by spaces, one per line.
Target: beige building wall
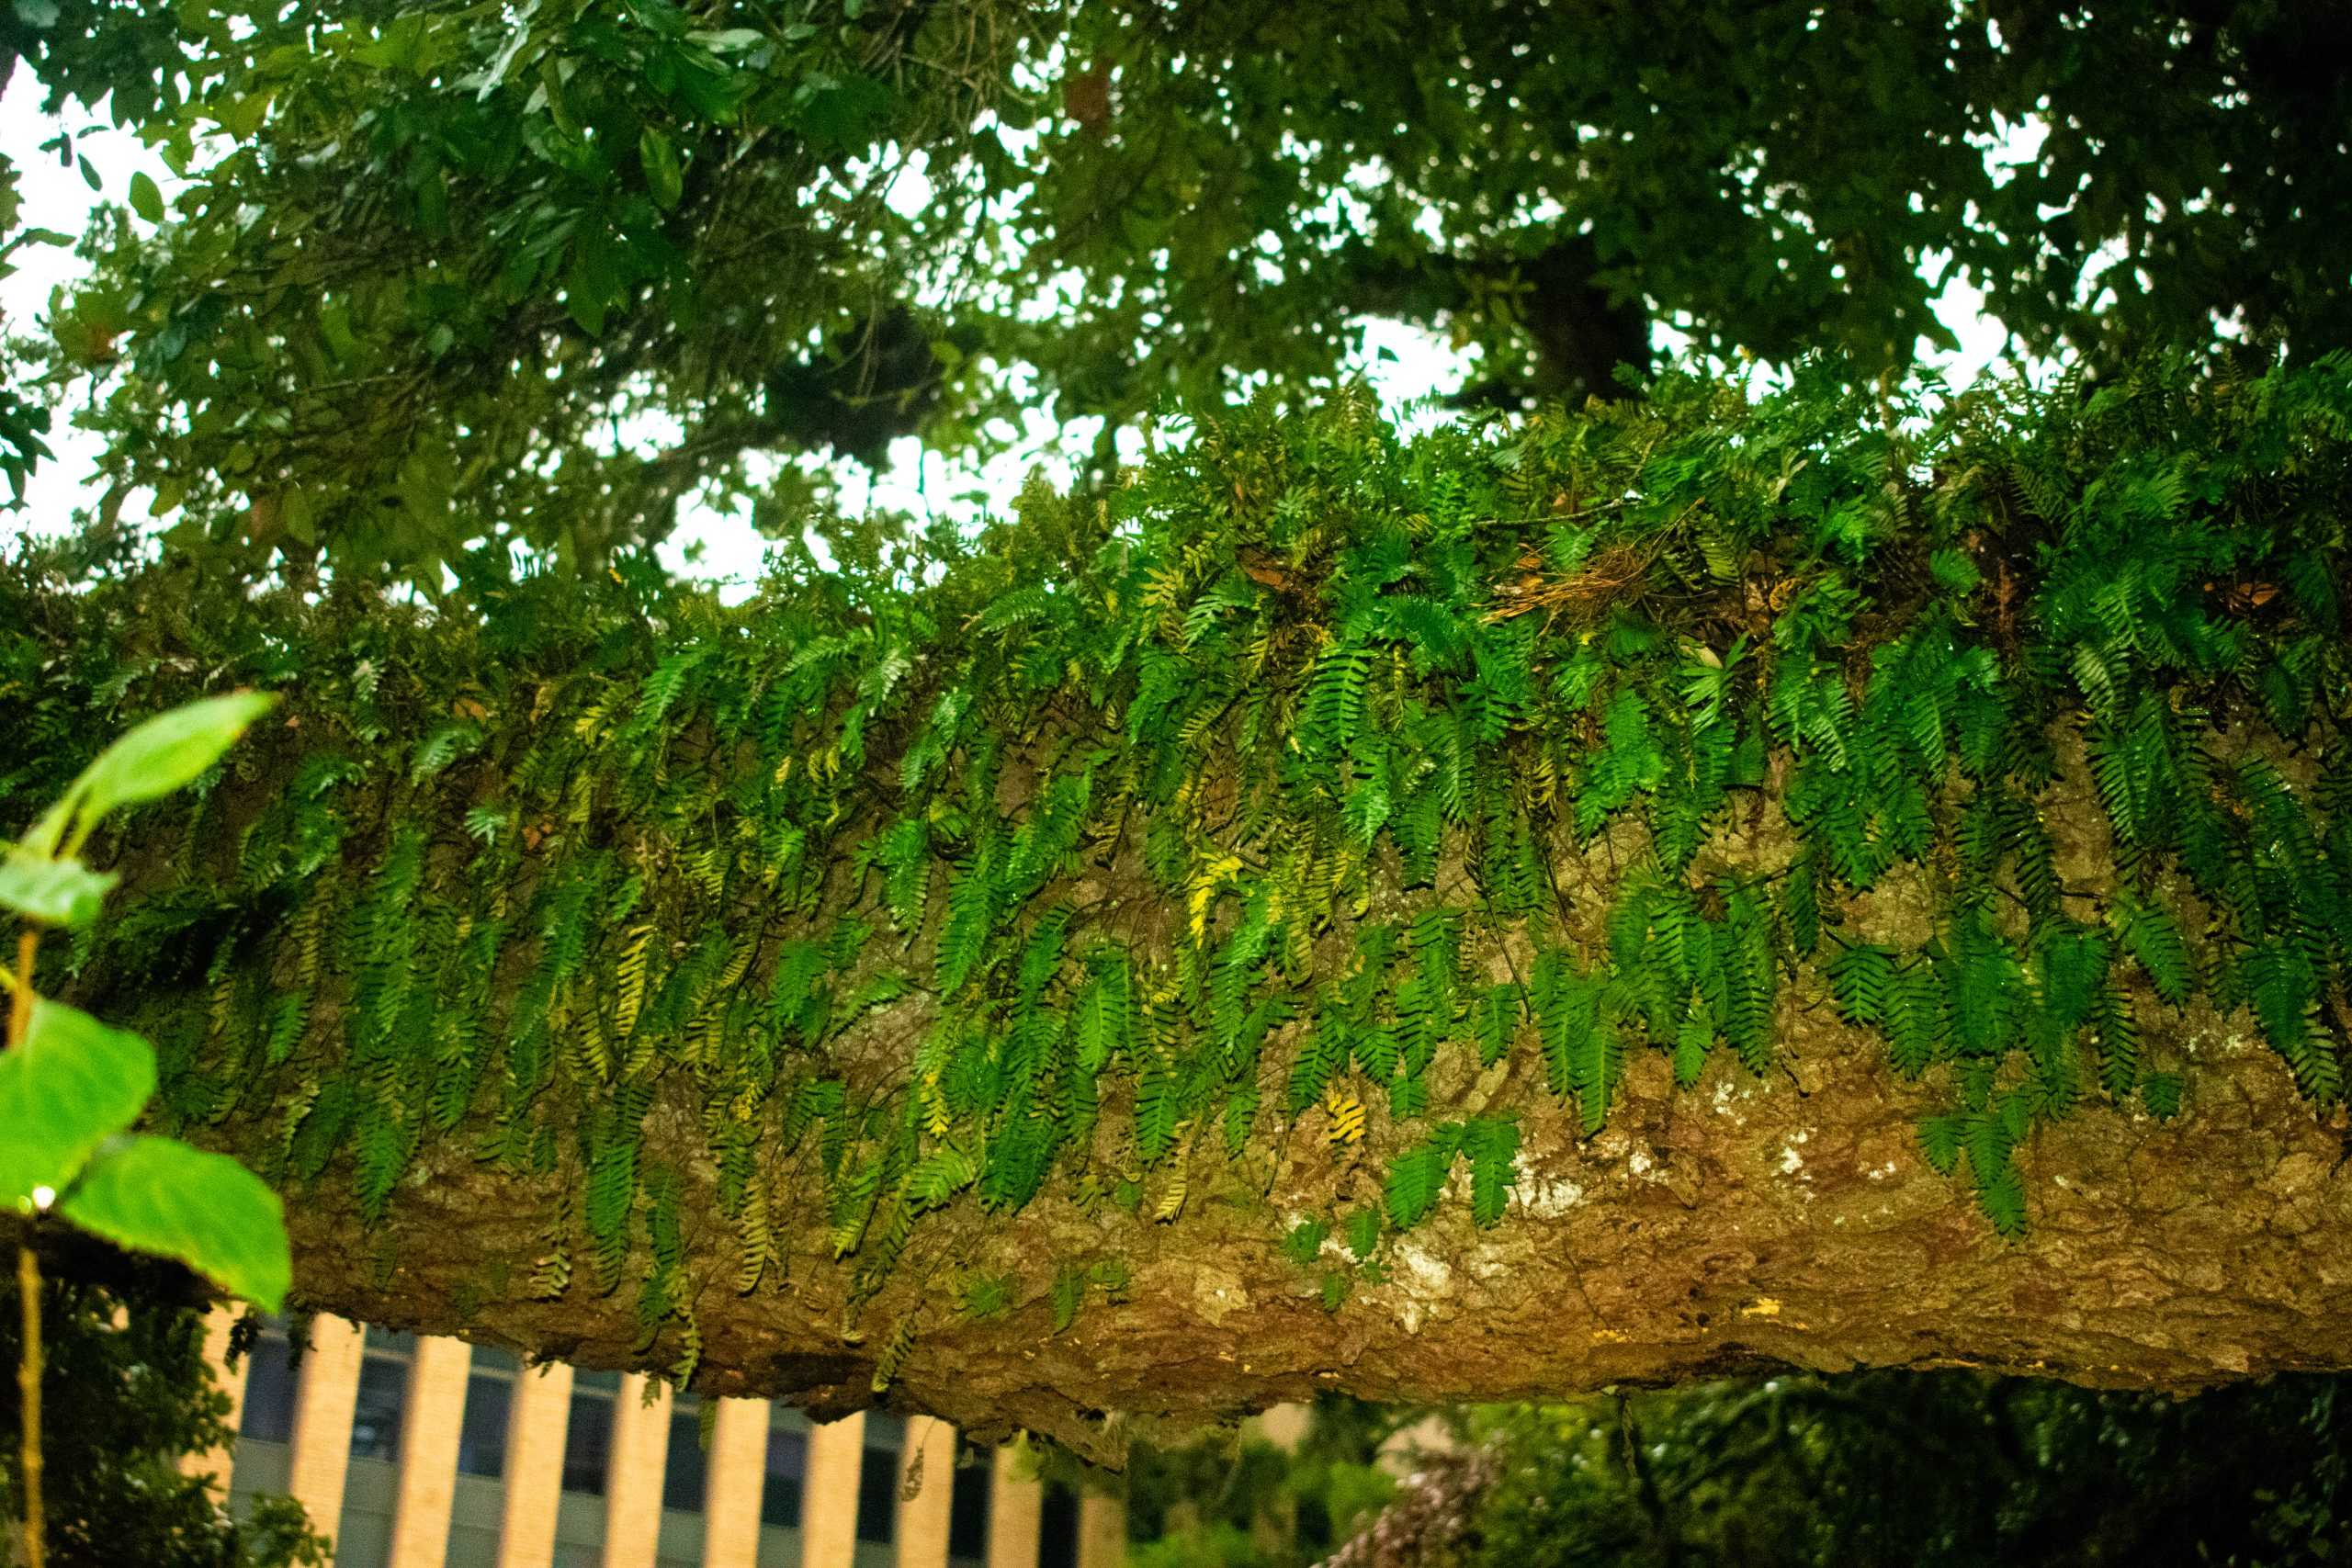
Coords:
pixel 739 1457
pixel 1101 1531
pixel 1016 1510
pixel 535 1432
pixel 214 1464
pixel 1284 1426
pixel 930 1461
pixel 640 1454
pixel 435 1409
pixel 1400 1454
pixel 538 1419
pixel 829 1526
pixel 323 1402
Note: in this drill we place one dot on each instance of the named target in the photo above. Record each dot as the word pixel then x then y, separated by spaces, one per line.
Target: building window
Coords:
pixel 383 1390
pixel 588 1436
pixel 490 1401
pixel 877 1479
pixel 268 1415
pixel 968 1501
pixel 362 1534
pixel 788 1467
pixel 1058 1527
pixel 685 1475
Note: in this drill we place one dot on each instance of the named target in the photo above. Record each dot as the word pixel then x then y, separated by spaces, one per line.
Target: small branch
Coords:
pixel 28 1391
pixel 1669 1544
pixel 20 1025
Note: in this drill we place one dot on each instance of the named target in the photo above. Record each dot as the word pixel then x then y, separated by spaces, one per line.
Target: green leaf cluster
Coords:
pixel 70 1086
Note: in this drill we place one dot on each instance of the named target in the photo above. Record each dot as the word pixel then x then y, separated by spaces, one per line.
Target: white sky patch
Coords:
pixel 1409 367
pixel 55 196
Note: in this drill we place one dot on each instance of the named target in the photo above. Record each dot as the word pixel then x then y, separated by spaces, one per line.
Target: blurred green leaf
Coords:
pixel 167 751
pixel 663 175
pixel 728 41
pixel 841 111
pixel 58 892
pixel 159 1195
pixel 145 200
pixel 71 1084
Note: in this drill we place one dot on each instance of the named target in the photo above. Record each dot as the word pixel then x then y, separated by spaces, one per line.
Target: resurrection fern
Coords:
pixel 1290 785
pixel 1492 1146
pixel 1417 1175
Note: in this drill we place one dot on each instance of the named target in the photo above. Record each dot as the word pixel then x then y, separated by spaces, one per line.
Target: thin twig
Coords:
pixel 20 1023
pixel 29 1390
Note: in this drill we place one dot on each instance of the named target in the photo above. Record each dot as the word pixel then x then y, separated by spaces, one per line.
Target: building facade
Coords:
pixel 419 1453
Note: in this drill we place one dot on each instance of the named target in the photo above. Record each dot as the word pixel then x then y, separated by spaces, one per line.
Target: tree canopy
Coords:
pixel 427 259
pixel 1845 875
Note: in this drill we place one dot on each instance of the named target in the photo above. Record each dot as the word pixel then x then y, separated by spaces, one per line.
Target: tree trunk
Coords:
pixel 1749 1222
pixel 1788 1220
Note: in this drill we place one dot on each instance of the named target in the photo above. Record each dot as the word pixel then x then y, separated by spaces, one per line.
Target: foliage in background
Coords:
pixel 1912 1470
pixel 1899 1469
pixel 1234 1499
pixel 142 1397
pixel 1903 1470
pixel 1478 753
pixel 424 263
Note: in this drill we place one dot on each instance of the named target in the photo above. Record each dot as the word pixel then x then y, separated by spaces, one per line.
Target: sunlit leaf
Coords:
pixel 663 175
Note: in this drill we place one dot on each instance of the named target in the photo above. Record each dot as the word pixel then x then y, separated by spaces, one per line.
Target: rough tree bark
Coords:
pixel 1789 1218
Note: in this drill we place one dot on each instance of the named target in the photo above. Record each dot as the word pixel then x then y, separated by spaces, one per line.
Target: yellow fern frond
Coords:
pixel 591 1056
pixel 1162 587
pixel 759 1241
pixel 704 1037
pixel 1208 880
pixel 1172 1198
pixel 1347 1117
pixel 629 978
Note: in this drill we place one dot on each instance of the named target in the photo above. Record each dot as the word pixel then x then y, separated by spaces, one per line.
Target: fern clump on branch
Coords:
pixel 1309 774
